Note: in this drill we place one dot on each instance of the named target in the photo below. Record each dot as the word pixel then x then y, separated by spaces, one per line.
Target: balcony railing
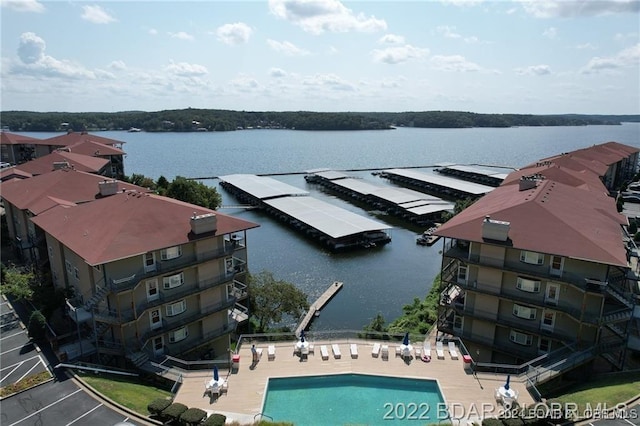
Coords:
pixel 185 318
pixel 175 349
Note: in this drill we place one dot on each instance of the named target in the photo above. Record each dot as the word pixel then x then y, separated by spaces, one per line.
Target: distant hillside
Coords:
pixel 190 120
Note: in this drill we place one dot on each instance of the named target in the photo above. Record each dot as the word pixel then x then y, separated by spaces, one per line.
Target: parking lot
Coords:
pixel 60 401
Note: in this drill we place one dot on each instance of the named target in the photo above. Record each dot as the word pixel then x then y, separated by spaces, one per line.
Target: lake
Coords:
pixel 380 280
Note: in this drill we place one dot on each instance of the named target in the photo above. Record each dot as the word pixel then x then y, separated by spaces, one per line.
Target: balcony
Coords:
pixel 185 318
pixel 238 290
pixel 177 349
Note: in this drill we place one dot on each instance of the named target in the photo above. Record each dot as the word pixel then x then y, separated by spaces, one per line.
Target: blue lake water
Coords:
pixel 375 281
pixel 311 400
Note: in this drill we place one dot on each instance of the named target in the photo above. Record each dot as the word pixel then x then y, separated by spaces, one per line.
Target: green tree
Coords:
pixel 37 323
pixel 420 315
pixel 141 180
pixel 270 299
pixel 18 283
pixel 191 191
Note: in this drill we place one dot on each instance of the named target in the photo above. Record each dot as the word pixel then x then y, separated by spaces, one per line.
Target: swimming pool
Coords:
pixel 353 399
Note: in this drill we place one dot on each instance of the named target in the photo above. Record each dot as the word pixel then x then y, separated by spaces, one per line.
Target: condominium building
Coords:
pixel 147 275
pixel 542 264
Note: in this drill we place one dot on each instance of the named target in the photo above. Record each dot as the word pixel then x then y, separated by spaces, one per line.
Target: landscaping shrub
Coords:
pixel 174 411
pixel 215 420
pixel 193 416
pixel 36 327
pixel 491 422
pixel 157 406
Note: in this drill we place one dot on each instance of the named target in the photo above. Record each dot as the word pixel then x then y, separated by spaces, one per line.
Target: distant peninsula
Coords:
pixel 215 120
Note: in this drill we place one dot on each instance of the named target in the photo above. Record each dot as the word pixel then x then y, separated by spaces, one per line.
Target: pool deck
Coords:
pixel 468 397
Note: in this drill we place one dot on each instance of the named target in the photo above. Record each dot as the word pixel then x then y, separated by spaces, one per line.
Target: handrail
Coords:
pixel 95 369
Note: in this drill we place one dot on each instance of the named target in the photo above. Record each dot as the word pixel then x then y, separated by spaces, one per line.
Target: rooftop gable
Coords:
pixel 45 164
pixel 137 223
pixel 7 138
pixel 72 138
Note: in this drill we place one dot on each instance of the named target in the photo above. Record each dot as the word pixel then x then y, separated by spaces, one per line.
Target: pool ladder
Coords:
pixel 262 415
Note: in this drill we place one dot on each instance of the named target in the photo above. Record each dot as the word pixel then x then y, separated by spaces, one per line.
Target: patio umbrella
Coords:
pixel 405 341
pixel 216 377
pixel 506 385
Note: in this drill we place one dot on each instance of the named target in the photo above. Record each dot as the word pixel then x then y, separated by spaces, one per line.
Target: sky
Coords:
pixel 498 56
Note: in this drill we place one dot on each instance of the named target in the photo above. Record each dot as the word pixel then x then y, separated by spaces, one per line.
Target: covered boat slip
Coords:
pixel 408 204
pixel 335 227
pixel 473 173
pixel 450 187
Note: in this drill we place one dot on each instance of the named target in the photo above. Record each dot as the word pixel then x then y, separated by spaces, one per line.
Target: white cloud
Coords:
pixel 184 69
pixel 96 15
pixel 624 37
pixel 447 31
pixel 573 8
pixel 245 83
pixel 534 70
pixel 550 32
pixel 454 63
pixel 286 48
pixel 118 65
pixel 331 81
pixel 626 58
pixel 232 34
pixel 24 5
pixel 277 73
pixel 152 31
pixel 34 61
pixel 399 54
pixel 319 16
pixel 585 46
pixel 181 35
pixel 391 39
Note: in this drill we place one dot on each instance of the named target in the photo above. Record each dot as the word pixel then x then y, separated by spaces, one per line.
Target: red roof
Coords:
pixel 40 193
pixel 7 138
pixel 93 148
pixel 73 138
pixel 136 223
pixel 583 178
pixel 44 164
pixel 13 173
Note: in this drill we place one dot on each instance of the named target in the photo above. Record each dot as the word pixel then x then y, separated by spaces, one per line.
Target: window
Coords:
pixel 68 266
pixel 528 285
pixel 557 263
pixel 524 311
pixel 544 345
pixel 462 274
pixel 552 294
pixel 520 338
pixel 155 319
pixel 548 320
pixel 50 252
pixel 179 334
pixel 176 308
pixel 171 253
pixel 457 322
pixel 149 262
pixel 76 273
pixel 152 290
pixel 531 257
pixel 173 281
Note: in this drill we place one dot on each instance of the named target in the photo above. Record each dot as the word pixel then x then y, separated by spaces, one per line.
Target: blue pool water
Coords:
pixel 354 399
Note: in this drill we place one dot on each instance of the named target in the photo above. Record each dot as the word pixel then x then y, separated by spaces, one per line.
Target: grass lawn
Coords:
pixel 607 391
pixel 135 396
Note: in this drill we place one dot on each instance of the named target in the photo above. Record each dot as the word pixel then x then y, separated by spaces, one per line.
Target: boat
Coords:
pixel 134 130
pixel 428 238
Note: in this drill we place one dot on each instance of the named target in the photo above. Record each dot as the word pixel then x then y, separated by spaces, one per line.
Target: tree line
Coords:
pixel 191 119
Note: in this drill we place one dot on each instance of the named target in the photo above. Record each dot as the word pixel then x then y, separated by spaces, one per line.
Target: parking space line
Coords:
pixel 629 421
pixel 11 372
pixel 88 412
pixel 17 365
pixel 35 365
pixel 44 408
pixel 15 334
pixel 15 349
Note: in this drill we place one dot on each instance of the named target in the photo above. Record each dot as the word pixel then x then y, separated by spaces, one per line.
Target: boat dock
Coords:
pixel 318 305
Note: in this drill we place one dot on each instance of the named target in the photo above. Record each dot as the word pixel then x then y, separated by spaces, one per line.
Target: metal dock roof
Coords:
pixel 262 187
pixel 331 220
pixel 477 171
pixel 457 184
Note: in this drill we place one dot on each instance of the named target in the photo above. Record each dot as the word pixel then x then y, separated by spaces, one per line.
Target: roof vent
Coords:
pixel 108 187
pixel 204 223
pixel 57 165
pixel 496 230
pixel 530 182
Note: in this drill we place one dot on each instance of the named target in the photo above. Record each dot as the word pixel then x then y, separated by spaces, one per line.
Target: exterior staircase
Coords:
pixel 138 359
pixel 96 298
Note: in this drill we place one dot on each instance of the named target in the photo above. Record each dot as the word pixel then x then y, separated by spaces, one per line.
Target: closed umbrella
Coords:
pixel 506 385
pixel 405 341
pixel 216 377
pixel 302 335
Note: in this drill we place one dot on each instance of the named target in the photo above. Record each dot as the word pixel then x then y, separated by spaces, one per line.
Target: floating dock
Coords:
pixel 318 305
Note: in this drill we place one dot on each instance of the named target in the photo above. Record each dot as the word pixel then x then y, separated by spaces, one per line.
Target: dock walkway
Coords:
pixel 318 305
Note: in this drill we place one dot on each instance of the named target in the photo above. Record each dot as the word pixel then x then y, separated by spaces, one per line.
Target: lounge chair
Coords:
pixel 271 352
pixel 398 351
pixel 259 352
pixel 439 350
pixel 453 351
pixel 336 351
pixel 354 350
pixel 324 352
pixel 311 348
pixel 385 352
pixel 418 352
pixel 375 352
pixel 426 352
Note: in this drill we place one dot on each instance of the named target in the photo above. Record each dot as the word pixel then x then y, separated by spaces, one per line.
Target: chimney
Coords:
pixel 57 165
pixel 204 223
pixel 108 187
pixel 496 230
